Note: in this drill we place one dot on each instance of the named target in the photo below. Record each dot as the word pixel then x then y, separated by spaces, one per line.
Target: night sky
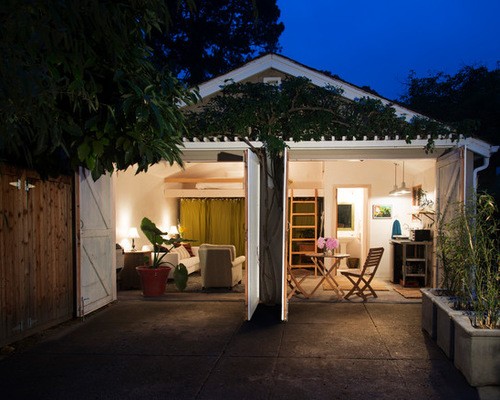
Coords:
pixel 377 43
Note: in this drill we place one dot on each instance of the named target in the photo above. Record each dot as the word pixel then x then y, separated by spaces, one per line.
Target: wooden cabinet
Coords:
pixel 303 230
pixel 411 262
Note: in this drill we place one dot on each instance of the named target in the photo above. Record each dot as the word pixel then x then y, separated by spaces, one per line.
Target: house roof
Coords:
pixel 378 147
pixel 293 68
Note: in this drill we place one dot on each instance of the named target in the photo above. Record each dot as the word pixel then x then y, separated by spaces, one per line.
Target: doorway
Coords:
pixel 350 222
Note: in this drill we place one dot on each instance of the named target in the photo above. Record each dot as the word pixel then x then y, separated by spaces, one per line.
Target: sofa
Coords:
pixel 219 266
pixel 182 255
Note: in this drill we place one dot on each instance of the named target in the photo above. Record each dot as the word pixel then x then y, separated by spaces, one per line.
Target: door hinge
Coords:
pixel 28 186
pixel 16 184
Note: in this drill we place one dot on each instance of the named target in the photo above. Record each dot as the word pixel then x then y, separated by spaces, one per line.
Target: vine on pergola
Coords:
pixel 296 110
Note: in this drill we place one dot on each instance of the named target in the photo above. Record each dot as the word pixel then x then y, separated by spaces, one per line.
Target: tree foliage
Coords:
pixel 470 99
pixel 215 36
pixel 78 87
pixel 298 110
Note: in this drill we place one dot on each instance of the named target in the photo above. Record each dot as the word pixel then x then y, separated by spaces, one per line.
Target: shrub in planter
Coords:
pixel 468 248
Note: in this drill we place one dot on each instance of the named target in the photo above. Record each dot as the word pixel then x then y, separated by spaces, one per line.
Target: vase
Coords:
pixel 328 253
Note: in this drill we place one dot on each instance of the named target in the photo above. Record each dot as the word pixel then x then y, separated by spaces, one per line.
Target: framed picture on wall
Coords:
pixel 416 195
pixel 380 211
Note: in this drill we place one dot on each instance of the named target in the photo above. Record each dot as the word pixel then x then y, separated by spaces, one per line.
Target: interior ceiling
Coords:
pixel 204 170
pixel 210 170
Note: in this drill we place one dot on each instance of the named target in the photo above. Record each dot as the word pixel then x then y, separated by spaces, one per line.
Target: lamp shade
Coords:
pixel 132 233
pixel 173 230
pixel 403 189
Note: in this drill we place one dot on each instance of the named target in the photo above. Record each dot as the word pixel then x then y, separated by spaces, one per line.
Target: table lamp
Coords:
pixel 133 234
pixel 173 232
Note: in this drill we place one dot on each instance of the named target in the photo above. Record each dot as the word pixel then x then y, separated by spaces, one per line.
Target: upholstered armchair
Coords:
pixel 219 266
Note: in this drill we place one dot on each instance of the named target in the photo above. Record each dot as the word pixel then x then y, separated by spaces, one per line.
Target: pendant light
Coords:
pixel 403 189
pixel 395 189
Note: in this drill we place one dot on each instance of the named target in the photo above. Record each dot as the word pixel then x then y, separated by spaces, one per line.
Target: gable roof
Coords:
pixel 348 147
pixel 295 69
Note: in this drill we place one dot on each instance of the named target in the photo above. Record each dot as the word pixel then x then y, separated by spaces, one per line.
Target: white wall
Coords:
pixel 142 195
pixel 378 175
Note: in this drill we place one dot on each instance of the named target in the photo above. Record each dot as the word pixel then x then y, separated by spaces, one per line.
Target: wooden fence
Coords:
pixel 37 275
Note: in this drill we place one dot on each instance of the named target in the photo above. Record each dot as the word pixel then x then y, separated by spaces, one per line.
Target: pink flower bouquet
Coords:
pixel 327 243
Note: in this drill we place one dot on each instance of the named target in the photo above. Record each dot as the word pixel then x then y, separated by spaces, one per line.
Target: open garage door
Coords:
pixel 252 195
pixel 97 273
pixel 450 189
pixel 284 285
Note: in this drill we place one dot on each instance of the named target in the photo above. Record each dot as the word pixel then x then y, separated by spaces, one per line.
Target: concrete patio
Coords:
pixel 171 349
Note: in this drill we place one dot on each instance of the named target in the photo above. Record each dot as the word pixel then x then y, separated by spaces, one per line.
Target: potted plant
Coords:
pixel 154 276
pixel 468 316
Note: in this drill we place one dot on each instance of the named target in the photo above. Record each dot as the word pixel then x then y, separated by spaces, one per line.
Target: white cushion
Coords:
pixel 181 250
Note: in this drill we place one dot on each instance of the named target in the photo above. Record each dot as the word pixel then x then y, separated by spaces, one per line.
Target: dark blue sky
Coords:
pixel 377 43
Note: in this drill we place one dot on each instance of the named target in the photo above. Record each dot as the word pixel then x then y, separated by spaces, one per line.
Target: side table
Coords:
pixel 129 278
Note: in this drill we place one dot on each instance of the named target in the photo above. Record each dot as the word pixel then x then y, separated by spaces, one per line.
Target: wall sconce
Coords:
pixel 133 234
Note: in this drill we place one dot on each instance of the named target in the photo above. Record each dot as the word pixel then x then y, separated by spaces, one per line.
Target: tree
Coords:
pixel 296 110
pixel 78 88
pixel 216 36
pixel 469 101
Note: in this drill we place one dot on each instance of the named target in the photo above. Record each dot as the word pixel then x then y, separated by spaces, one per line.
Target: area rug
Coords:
pixel 194 286
pixel 345 284
pixel 409 293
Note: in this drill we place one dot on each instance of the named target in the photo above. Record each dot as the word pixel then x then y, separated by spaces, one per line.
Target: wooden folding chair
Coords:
pixel 295 279
pixel 362 278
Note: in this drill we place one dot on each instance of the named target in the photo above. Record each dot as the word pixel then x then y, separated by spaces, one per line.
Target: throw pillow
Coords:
pixel 187 246
pixel 183 253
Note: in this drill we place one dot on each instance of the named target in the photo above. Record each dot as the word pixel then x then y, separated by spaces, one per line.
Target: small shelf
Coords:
pixel 428 214
pixel 411 261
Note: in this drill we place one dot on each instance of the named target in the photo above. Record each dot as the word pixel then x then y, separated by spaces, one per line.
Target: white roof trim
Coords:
pixel 382 147
pixel 292 68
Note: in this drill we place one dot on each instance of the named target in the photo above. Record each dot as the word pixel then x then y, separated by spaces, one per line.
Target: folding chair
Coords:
pixel 295 279
pixel 362 278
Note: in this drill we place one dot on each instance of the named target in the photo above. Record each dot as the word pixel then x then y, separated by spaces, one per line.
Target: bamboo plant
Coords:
pixel 468 248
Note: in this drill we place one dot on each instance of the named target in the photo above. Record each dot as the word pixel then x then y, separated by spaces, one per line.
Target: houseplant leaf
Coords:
pixel 180 276
pixel 151 231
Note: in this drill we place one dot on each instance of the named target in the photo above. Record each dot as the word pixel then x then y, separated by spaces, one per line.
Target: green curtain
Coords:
pixel 193 220
pixel 215 221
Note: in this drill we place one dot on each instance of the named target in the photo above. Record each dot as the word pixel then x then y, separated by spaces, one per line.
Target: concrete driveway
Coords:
pixel 145 349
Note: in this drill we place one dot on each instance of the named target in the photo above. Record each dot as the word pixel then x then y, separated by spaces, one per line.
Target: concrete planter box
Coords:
pixel 477 353
pixel 445 327
pixel 429 312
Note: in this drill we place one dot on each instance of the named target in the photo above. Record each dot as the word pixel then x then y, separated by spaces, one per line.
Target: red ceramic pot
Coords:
pixel 153 280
